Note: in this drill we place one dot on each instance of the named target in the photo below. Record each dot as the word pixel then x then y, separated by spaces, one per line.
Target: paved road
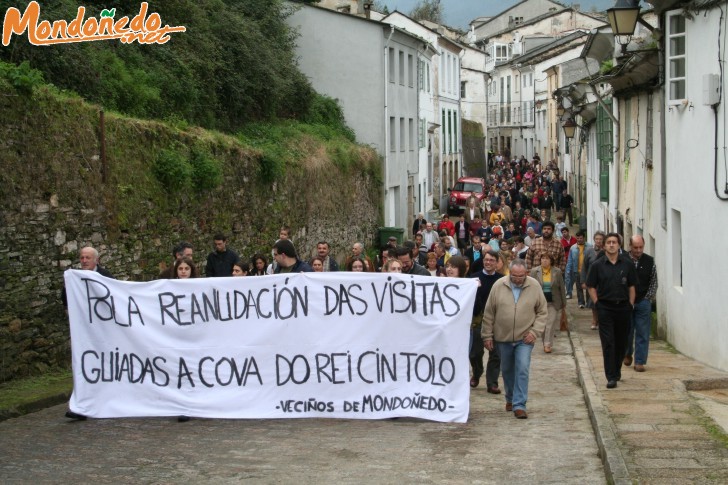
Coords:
pixel 555 445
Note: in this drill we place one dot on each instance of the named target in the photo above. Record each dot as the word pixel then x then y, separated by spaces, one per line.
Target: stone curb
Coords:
pixel 604 429
pixel 34 406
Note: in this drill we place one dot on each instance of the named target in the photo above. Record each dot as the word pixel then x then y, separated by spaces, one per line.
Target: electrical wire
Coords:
pixel 721 70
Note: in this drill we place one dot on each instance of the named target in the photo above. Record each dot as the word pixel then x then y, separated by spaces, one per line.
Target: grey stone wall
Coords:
pixel 55 201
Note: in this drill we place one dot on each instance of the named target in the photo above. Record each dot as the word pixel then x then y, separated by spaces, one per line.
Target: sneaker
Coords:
pixel 581 305
pixel 568 297
pixel 594 327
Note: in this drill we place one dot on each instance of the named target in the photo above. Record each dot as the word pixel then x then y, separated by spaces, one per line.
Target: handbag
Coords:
pixel 564 321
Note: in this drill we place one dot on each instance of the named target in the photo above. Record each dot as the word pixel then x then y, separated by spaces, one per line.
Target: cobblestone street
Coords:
pixel 555 445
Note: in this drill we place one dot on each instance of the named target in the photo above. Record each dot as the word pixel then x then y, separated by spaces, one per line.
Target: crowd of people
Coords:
pixel 517 243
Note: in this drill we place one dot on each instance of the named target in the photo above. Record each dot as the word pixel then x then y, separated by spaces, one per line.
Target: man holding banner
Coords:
pixel 89 259
pixel 514 318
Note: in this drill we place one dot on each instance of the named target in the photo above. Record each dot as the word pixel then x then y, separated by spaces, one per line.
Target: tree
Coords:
pixel 379 6
pixel 427 10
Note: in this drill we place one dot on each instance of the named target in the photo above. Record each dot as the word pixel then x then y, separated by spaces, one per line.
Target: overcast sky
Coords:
pixel 459 13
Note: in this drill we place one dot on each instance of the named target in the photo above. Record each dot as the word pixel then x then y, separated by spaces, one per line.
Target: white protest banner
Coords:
pixel 332 345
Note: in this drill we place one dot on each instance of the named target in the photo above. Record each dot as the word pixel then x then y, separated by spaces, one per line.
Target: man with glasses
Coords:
pixel 404 255
pixel 514 332
pixel 287 260
pixel 487 277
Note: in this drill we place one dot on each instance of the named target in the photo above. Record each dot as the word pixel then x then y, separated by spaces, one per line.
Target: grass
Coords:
pixel 713 429
pixel 671 349
pixel 19 392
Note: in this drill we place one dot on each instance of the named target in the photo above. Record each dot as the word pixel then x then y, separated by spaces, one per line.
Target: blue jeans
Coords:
pixel 638 340
pixel 515 364
pixel 574 278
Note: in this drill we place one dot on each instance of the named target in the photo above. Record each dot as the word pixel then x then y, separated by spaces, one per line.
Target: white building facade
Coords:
pixel 371 69
pixel 656 168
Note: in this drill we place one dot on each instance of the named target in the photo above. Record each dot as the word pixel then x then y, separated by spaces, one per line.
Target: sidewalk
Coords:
pixel 655 427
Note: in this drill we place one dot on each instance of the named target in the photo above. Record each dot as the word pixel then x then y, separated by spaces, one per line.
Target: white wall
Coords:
pixel 424 179
pixel 347 58
pixel 696 309
pixel 349 69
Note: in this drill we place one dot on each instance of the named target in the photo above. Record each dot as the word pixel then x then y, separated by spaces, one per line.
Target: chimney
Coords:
pixel 368 8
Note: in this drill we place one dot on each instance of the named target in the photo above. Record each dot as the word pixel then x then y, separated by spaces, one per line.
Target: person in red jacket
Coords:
pixel 446 225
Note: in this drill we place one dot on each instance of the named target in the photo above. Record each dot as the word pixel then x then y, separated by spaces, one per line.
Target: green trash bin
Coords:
pixel 386 232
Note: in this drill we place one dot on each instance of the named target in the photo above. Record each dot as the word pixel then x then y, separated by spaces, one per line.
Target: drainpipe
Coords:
pixel 386 121
pixel 486 78
pixel 460 114
pixel 616 168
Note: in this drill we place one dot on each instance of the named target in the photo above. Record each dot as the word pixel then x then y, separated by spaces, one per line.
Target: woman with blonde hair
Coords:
pixel 431 264
pixel 552 282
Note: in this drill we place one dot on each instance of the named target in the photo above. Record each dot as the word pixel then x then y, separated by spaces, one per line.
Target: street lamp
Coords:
pixel 569 127
pixel 623 16
pixel 560 110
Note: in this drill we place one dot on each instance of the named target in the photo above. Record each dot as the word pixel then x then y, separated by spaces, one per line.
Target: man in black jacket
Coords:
pixel 487 277
pixel 638 340
pixel 611 282
pixel 220 261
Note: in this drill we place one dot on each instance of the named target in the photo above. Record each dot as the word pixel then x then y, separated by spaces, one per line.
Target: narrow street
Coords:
pixel 556 444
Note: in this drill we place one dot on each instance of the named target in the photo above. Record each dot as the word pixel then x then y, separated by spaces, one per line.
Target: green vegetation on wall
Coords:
pixel 234 64
pixel 165 182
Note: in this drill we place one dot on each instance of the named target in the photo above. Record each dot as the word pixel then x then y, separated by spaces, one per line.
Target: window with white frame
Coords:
pixel 420 74
pixel 391 64
pixel 410 70
pixel 411 123
pixel 423 132
pixel 427 72
pixel 401 68
pixel 676 58
pixel 392 134
pixel 402 136
pixel 455 71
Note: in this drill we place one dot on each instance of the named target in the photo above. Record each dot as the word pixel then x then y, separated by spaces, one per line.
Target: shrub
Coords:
pixel 172 170
pixel 23 78
pixel 206 170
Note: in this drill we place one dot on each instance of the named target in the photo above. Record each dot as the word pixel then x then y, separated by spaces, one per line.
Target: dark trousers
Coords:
pixel 477 351
pixel 614 325
pixel 492 368
pixel 568 215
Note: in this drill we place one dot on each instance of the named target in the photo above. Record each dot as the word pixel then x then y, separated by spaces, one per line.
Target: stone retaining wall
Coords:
pixel 55 201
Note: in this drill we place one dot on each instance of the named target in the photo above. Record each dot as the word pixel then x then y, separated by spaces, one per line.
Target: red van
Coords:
pixel 461 192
